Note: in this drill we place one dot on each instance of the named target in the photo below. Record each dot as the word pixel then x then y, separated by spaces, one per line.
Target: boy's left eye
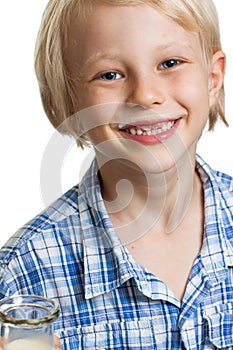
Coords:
pixel 169 63
pixel 111 76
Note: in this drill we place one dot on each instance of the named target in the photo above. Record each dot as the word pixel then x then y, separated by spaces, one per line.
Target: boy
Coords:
pixel 139 254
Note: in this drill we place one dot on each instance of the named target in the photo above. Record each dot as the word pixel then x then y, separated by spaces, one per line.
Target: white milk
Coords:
pixel 29 344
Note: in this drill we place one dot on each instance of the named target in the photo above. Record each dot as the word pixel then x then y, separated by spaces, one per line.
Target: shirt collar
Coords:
pixel 107 263
pixel 217 252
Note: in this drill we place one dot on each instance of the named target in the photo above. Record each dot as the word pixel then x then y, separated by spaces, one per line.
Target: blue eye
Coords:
pixel 169 63
pixel 111 76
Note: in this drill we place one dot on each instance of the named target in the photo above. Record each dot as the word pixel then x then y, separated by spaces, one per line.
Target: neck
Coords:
pixel 137 201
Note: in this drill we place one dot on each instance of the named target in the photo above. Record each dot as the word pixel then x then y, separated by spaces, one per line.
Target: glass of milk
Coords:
pixel 26 322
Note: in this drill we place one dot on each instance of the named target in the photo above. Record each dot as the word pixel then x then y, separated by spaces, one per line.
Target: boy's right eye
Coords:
pixel 111 76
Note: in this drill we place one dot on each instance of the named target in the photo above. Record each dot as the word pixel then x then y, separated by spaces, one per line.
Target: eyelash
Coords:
pixel 173 62
pixel 168 64
pixel 110 73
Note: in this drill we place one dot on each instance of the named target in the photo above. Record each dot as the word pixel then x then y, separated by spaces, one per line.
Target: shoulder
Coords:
pixel 45 252
pixel 55 234
pixel 225 194
pixel 223 184
pixel 225 188
pixel 215 179
pixel 225 181
pixel 47 228
pixel 218 190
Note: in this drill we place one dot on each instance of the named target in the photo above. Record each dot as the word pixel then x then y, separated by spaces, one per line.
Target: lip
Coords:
pixel 151 139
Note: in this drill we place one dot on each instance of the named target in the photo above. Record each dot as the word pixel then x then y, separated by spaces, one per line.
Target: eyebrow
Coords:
pixel 98 56
pixel 176 46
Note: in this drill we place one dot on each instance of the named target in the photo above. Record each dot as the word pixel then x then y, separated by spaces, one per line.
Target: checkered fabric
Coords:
pixel 71 253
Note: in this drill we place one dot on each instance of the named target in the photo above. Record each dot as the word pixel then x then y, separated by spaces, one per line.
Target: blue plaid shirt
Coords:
pixel 107 300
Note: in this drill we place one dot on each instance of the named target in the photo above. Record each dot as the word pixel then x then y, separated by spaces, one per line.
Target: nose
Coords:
pixel 146 91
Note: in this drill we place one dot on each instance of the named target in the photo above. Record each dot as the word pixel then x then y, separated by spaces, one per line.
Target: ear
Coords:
pixel 217 71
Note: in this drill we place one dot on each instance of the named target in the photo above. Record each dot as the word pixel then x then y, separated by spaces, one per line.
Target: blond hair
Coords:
pixel 56 90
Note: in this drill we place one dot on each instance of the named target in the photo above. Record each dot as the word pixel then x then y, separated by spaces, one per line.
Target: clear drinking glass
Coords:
pixel 26 322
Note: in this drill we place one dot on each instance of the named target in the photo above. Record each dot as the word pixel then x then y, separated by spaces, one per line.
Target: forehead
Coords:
pixel 116 26
pixel 184 12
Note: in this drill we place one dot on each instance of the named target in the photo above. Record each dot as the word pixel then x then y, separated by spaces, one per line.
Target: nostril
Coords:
pixel 146 93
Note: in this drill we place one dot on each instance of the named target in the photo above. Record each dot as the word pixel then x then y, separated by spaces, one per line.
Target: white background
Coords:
pixel 25 130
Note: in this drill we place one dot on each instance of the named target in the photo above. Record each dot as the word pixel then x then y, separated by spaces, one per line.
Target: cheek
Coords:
pixel 193 94
pixel 91 96
pixel 103 138
pixel 85 97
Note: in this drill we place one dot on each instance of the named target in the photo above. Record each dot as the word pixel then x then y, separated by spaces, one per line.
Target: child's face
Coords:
pixel 136 55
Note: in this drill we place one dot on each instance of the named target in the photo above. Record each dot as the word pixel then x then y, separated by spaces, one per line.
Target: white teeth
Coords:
pixel 147 130
pixel 121 126
pixel 133 131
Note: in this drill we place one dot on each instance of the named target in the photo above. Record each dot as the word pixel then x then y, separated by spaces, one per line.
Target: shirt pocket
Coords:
pixel 220 326
pixel 135 335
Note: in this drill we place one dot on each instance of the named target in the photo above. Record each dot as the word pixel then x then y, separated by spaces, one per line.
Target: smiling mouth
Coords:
pixel 146 130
